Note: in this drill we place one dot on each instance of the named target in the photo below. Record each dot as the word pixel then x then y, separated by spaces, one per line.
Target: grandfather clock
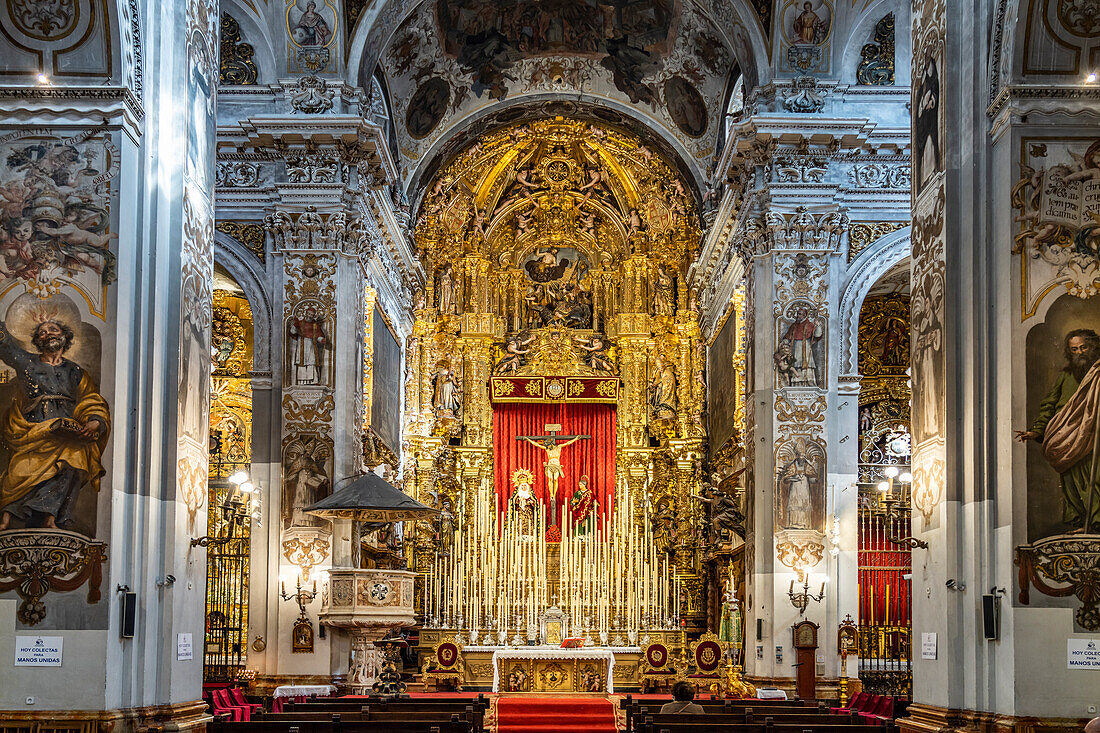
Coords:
pixel 805 648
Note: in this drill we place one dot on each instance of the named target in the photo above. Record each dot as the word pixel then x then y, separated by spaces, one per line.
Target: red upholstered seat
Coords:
pixel 223 705
pixel 882 711
pixel 855 705
pixel 236 696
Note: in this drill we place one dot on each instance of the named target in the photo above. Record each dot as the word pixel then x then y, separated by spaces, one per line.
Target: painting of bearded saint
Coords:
pixel 56 429
pixel 800 358
pixel 1066 425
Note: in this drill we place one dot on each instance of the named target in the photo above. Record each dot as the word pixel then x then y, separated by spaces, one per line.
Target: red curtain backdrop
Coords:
pixel 594 457
pixel 882 565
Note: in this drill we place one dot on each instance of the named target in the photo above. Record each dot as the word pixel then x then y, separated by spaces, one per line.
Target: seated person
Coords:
pixel 682 695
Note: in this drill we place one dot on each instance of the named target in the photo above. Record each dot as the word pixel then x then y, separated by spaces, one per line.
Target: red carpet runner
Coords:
pixel 523 714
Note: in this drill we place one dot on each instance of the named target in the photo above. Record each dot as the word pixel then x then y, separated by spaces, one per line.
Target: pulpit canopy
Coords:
pixel 369 498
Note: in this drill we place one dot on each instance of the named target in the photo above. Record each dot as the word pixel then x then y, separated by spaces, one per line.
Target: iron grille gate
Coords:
pixel 227 563
pixel 885 602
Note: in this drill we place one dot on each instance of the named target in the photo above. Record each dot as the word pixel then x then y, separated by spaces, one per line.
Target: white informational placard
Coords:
pixel 928 645
pixel 38 651
pixel 183 647
pixel 1083 653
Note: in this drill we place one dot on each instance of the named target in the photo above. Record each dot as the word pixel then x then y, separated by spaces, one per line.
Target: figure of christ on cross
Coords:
pixel 553 467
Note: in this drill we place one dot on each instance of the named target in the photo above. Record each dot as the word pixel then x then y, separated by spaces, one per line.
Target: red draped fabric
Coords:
pixel 594 457
pixel 883 565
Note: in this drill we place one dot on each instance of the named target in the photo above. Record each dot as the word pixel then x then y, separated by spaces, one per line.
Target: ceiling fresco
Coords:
pixel 449 60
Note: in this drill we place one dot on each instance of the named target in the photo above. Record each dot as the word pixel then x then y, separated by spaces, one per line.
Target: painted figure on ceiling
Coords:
pixel 311 28
pixel 56 428
pixel 1067 427
pixel 806 25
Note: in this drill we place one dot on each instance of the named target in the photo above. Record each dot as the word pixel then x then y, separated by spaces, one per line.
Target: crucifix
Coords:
pixel 554 470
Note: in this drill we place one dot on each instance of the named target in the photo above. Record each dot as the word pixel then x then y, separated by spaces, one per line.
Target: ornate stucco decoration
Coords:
pixel 803 230
pixel 33 562
pixel 249 234
pixel 236 64
pixel 804 96
pixel 312 96
pixel 861 234
pixel 1062 566
pixel 876 66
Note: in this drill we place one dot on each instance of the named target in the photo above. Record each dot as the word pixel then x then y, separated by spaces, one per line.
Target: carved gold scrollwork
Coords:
pixel 1062 566
pixel 38 561
pixel 307 552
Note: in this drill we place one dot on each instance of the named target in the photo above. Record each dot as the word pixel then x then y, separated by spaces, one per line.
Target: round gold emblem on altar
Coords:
pixel 555 389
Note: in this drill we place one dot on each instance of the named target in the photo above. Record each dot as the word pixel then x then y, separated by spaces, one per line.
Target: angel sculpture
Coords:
pixel 513 353
pixel 596 356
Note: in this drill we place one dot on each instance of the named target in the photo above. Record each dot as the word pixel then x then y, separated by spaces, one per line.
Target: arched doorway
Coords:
pixel 230 462
pixel 885 617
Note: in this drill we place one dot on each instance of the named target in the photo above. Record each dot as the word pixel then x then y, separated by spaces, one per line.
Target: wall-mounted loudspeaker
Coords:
pixel 991 616
pixel 128 615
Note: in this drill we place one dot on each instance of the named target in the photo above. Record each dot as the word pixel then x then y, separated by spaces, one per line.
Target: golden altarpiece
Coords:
pixel 558 254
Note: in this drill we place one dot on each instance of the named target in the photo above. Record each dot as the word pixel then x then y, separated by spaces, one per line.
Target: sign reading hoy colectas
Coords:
pixel 1083 653
pixel 38 651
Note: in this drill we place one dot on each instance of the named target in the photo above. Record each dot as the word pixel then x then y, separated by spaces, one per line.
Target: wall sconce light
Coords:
pixel 801 600
pixel 1091 78
pixel 45 80
pixel 236 509
pixel 891 505
pixel 301 637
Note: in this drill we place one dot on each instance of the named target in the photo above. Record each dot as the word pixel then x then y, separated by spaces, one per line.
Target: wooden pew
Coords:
pixel 759 708
pixel 417 709
pixel 456 725
pixel 338 704
pixel 737 719
pixel 700 724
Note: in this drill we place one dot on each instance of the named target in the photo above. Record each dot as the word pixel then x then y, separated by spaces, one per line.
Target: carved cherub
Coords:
pixel 596 357
pixel 513 353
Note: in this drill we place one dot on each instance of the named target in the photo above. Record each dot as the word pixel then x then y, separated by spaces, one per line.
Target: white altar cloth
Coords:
pixel 554 652
pixel 304 691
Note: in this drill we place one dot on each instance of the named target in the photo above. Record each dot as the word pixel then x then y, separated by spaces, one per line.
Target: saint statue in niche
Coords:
pixel 307 334
pixel 1067 426
pixel 664 294
pixel 662 391
pixel 447 397
pixel 56 427
pixel 446 291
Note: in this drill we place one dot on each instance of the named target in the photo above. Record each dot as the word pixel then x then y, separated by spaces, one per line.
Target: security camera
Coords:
pixel 955 585
pixel 169 579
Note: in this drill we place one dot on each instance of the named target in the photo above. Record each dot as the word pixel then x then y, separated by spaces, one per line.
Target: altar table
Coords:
pixel 298 693
pixel 553 669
